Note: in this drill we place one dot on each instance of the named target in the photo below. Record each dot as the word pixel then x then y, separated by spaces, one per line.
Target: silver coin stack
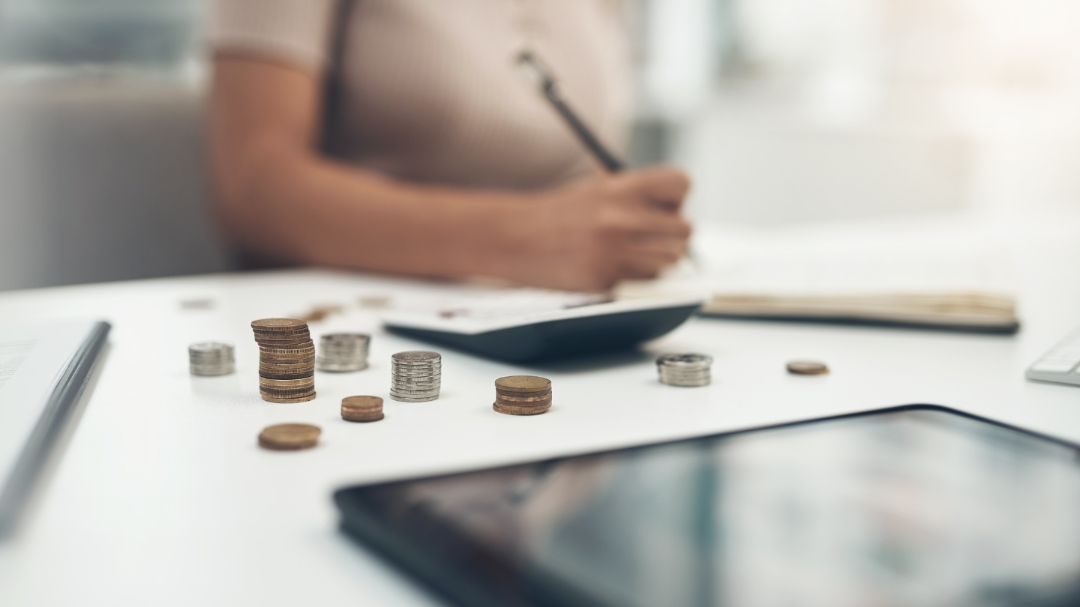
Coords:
pixel 415 376
pixel 687 370
pixel 343 352
pixel 212 358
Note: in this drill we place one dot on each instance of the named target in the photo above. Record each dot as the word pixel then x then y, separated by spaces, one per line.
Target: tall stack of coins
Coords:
pixel 687 370
pixel 286 360
pixel 415 376
pixel 522 395
pixel 211 358
pixel 361 408
pixel 342 352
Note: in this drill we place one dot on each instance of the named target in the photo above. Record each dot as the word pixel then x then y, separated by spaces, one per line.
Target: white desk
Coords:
pixel 161 496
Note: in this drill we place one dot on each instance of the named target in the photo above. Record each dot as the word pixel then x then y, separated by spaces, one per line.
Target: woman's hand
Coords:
pixel 592 233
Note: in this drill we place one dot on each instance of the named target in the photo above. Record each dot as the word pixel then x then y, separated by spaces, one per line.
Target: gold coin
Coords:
pixel 520 397
pixel 523 383
pixel 273 385
pixel 362 402
pixel 807 367
pixel 289 437
pixel 352 414
pixel 511 410
pixel 281 375
pixel 278 324
pixel 270 398
pixel 539 405
pixel 287 394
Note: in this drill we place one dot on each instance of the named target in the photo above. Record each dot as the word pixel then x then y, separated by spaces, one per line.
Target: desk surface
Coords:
pixel 161 496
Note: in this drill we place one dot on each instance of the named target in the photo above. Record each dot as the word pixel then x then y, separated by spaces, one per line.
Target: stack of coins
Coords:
pixel 415 376
pixel 361 408
pixel 211 358
pixel 522 395
pixel 687 370
pixel 341 352
pixel 286 360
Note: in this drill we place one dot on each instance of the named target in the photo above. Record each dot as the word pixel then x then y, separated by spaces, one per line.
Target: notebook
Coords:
pixel 43 370
pixel 935 280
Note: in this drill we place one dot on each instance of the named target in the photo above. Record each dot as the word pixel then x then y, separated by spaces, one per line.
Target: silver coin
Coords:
pixel 681 360
pixel 416 356
pixel 341 367
pixel 414 400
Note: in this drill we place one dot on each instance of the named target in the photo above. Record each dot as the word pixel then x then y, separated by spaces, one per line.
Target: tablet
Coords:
pixel 520 334
pixel 914 505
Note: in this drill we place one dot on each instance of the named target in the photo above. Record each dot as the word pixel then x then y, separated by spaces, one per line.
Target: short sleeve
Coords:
pixel 296 31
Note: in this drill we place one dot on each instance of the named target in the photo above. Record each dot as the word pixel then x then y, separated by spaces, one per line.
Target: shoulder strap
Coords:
pixel 332 77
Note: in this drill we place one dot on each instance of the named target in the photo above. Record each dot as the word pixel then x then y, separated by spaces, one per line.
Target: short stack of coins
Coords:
pixel 286 360
pixel 361 408
pixel 211 358
pixel 415 376
pixel 522 395
pixel 687 370
pixel 343 352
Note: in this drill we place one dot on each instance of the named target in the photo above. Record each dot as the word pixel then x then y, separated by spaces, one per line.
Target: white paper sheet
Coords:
pixel 32 359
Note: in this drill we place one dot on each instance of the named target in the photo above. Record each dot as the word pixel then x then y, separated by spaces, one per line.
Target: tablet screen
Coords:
pixel 915 506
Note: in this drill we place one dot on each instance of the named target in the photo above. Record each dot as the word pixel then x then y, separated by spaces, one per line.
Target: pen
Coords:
pixel 542 75
pixel 551 91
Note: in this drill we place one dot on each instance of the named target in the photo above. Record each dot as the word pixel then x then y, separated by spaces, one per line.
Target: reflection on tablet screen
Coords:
pixel 911 507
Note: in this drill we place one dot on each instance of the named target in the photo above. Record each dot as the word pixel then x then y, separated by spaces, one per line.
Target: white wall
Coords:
pixel 102 178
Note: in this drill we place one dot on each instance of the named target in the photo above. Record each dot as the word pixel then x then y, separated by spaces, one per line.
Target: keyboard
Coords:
pixel 1060 363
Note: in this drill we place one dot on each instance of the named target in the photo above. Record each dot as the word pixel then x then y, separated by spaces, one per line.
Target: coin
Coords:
pixel 270 398
pixel 807 367
pixel 416 355
pixel 362 402
pixel 523 383
pixel 518 398
pixel 279 324
pixel 512 410
pixel 289 437
pixel 682 360
pixel 276 380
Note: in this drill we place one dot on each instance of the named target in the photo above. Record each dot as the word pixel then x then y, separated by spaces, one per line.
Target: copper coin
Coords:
pixel 523 383
pixel 511 410
pixel 807 367
pixel 522 397
pixel 289 437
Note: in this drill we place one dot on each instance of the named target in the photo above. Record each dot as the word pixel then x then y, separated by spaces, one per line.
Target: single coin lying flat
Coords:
pixel 807 367
pixel 289 437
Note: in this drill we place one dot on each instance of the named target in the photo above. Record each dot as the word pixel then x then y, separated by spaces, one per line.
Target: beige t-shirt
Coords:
pixel 429 91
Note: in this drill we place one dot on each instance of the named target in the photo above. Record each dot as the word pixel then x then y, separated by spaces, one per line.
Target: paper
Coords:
pixel 32 360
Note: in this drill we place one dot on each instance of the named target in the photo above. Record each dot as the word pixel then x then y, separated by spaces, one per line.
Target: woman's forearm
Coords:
pixel 315 210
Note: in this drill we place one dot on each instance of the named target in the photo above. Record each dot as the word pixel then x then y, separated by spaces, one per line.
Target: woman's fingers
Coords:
pixel 662 187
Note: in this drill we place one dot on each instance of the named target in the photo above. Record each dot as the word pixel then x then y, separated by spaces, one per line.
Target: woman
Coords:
pixel 397 136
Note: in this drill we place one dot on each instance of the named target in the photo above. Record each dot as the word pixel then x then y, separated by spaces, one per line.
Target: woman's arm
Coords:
pixel 278 195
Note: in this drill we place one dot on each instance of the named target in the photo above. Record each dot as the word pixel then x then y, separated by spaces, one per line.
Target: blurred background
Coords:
pixel 783 111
